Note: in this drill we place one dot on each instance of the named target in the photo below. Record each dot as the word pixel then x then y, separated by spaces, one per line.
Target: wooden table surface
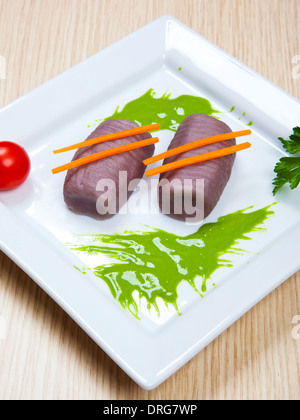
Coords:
pixel 43 353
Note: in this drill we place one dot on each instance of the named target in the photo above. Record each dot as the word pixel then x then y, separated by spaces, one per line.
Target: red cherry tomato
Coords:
pixel 14 165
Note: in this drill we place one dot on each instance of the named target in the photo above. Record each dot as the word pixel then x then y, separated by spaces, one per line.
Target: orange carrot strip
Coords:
pixel 195 144
pixel 105 153
pixel 112 136
pixel 196 159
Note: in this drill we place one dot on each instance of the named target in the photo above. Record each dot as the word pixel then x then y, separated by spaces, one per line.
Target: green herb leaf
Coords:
pixel 292 145
pixel 288 168
pixel 288 171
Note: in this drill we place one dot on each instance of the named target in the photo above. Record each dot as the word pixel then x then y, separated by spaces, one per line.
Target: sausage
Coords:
pixel 94 189
pixel 215 173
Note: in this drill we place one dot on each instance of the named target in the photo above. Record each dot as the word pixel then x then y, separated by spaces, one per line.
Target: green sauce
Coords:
pixel 155 262
pixel 169 113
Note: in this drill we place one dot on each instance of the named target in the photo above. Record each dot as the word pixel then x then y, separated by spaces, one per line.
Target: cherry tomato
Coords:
pixel 14 165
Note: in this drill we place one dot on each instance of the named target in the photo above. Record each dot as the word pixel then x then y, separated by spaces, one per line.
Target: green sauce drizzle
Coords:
pixel 169 113
pixel 155 262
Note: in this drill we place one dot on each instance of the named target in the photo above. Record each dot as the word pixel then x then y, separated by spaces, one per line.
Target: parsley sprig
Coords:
pixel 288 168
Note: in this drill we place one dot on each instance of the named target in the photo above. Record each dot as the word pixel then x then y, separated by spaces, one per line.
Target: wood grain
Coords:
pixel 44 354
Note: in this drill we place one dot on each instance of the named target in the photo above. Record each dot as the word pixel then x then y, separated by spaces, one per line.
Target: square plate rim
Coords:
pixel 8 246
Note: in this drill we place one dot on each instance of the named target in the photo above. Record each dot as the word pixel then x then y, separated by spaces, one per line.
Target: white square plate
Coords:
pixel 35 224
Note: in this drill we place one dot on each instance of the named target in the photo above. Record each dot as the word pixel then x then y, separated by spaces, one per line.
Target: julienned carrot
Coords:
pixel 195 144
pixel 105 153
pixel 111 136
pixel 196 159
